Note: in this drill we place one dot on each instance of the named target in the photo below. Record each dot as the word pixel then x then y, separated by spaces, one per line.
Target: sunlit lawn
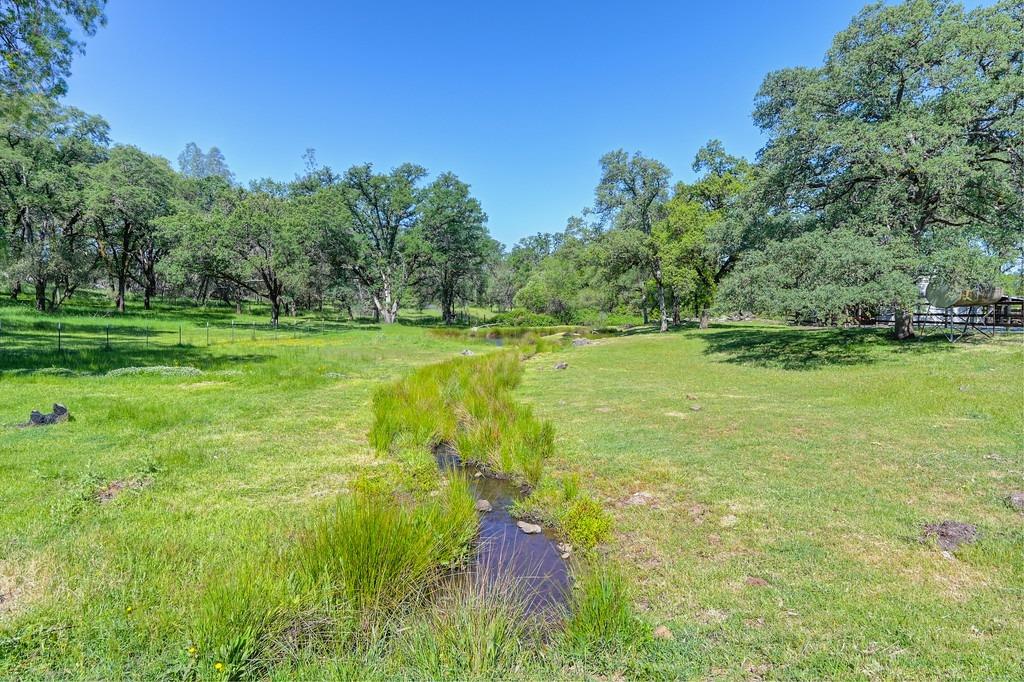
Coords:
pixel 779 539
pixel 812 465
pixel 216 465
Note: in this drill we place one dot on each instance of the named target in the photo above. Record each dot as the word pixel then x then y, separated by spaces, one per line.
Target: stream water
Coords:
pixel 504 556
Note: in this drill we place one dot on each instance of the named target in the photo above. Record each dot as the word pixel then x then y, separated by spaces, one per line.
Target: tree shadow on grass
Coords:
pixel 28 359
pixel 806 349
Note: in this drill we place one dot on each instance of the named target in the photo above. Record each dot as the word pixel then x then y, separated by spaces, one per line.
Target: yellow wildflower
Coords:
pixel 218 666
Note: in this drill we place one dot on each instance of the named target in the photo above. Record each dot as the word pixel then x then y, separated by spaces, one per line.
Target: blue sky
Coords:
pixel 520 99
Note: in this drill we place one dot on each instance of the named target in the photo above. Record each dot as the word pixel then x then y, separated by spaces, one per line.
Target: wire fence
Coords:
pixel 62 336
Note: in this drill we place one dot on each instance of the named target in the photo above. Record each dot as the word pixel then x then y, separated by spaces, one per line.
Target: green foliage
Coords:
pixel 828 277
pixel 565 505
pixel 453 229
pixel 521 317
pixel 241 620
pixel 46 151
pixel 40 41
pixel 348 573
pixel 373 554
pixel 904 140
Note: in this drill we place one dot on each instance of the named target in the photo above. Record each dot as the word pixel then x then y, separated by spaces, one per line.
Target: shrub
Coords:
pixel 520 317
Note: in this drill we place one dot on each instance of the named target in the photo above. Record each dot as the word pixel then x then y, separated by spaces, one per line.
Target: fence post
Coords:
pixel 232 331
pixel 58 337
pixel 207 333
pixel 147 336
pixel 253 331
pixel 108 337
pixel 179 334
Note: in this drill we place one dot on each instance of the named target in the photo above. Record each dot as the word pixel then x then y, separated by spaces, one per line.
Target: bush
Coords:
pixel 520 317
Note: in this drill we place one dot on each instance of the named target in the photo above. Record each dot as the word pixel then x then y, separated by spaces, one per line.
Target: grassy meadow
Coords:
pixel 779 534
pixel 214 508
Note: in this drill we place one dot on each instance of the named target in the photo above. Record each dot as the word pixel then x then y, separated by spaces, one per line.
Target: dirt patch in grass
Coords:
pixel 110 491
pixel 950 534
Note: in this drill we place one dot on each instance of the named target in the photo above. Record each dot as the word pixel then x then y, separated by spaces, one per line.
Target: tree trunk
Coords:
pixel 903 322
pixel 16 290
pixel 644 314
pixel 662 310
pixel 275 308
pixel 150 289
pixel 448 307
pixel 238 306
pixel 120 294
pixel 41 295
pixel 387 309
pixel 705 317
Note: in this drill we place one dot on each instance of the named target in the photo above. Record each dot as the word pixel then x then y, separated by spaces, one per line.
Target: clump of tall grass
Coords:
pixel 601 617
pixel 478 632
pixel 467 402
pixel 242 616
pixel 564 504
pixel 347 574
pixel 374 554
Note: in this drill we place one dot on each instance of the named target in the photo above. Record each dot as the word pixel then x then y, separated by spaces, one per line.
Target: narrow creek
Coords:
pixel 504 556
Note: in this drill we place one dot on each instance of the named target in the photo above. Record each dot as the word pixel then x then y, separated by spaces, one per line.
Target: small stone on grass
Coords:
pixel 529 528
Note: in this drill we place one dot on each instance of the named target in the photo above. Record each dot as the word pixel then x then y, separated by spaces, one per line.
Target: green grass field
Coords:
pixel 812 465
pixel 778 537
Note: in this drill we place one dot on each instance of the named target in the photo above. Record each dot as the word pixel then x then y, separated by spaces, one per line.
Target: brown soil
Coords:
pixel 950 534
pixel 115 488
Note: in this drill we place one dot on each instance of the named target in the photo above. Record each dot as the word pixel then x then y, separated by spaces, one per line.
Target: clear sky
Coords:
pixel 518 98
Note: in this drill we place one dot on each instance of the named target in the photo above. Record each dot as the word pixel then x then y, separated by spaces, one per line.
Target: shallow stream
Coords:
pixel 504 556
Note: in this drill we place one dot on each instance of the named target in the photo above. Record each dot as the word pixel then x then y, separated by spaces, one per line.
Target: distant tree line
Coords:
pixel 900 156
